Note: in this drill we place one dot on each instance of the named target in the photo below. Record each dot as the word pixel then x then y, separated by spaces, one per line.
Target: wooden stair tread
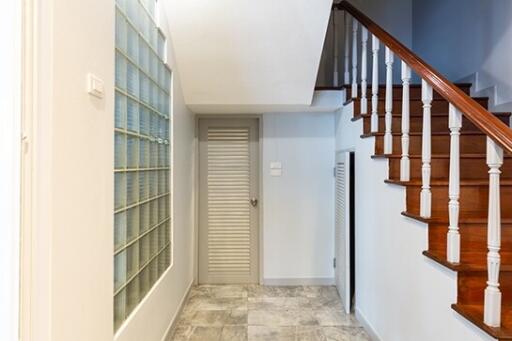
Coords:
pixel 415 85
pixel 434 156
pixel 464 218
pixel 475 314
pixel 434 133
pixel 440 257
pixel 382 114
pixel 445 182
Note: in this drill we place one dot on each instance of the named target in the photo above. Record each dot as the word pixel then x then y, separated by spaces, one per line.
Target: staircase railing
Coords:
pixel 499 135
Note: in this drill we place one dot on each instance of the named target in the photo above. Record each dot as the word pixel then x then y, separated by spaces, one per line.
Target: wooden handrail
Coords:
pixel 480 117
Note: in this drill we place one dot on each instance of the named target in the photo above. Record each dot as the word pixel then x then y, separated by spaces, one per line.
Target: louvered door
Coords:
pixel 228 231
pixel 342 230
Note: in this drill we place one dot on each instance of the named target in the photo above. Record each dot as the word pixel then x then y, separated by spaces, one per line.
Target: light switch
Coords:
pixel 276 168
pixel 95 86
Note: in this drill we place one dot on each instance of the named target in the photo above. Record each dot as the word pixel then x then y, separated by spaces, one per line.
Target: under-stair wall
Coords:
pixel 400 294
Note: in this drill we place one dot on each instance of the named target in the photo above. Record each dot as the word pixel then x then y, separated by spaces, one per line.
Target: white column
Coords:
pixel 375 84
pixel 355 25
pixel 364 84
pixel 347 49
pixel 453 242
pixel 335 78
pixel 388 137
pixel 405 168
pixel 426 194
pixel 492 298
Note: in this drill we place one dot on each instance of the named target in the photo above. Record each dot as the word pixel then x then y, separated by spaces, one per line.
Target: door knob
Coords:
pixel 254 202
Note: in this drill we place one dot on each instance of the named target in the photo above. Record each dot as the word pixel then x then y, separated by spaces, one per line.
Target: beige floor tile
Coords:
pixel 268 333
pixel 234 333
pixel 334 318
pixel 345 334
pixel 309 333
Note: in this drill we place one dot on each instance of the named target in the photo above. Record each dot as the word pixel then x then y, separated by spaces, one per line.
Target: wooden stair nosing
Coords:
pixel 475 315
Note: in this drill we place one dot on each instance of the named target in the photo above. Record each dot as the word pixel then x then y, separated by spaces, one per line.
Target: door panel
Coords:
pixel 342 228
pixel 228 222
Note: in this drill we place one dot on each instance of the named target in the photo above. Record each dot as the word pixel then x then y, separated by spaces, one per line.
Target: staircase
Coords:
pixel 474 188
pixel 454 159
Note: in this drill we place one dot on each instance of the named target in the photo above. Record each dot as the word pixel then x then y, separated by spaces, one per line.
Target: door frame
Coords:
pixel 345 156
pixel 259 118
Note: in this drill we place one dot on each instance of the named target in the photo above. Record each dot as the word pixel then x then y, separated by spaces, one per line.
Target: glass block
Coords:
pixel 132 259
pixel 132 230
pixel 161 181
pixel 161 263
pixel 120 71
pixel 142 20
pixel 132 152
pixel 132 79
pixel 167 84
pixel 143 55
pixel 153 66
pixel 133 115
pixel 161 45
pixel 121 31
pixel 132 295
pixel 167 232
pixel 119 150
pixel 143 153
pixel 119 270
pixel 155 94
pixel 144 283
pixel 167 206
pixel 153 270
pixel 167 155
pixel 144 88
pixel 132 188
pixel 119 190
pixel 161 236
pixel 168 256
pixel 153 240
pixel 144 249
pixel 161 74
pixel 151 6
pixel 161 209
pixel 132 7
pixel 153 39
pixel 119 309
pixel 121 4
pixel 153 155
pixel 153 211
pixel 153 183
pixel 132 48
pixel 144 217
pixel 167 182
pixel 119 230
pixel 120 110
pixel 143 186
pixel 144 120
pixel 154 122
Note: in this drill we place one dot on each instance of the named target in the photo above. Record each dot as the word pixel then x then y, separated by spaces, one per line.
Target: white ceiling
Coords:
pixel 247 56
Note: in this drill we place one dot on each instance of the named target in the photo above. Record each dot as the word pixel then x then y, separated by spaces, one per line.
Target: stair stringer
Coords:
pixel 400 294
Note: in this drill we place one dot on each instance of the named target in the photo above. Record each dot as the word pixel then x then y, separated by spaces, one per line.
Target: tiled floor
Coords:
pixel 253 312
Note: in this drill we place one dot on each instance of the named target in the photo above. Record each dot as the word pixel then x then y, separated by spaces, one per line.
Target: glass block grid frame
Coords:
pixel 142 217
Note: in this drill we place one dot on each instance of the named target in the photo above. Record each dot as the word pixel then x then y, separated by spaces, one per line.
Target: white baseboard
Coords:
pixel 178 312
pixel 299 281
pixel 367 326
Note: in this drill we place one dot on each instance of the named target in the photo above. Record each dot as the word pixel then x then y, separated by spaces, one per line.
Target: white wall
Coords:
pixel 479 41
pixel 298 207
pixel 400 294
pixel 10 132
pixel 72 223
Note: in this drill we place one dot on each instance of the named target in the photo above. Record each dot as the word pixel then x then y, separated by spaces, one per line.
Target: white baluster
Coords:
pixel 388 137
pixel 375 84
pixel 405 168
pixel 347 49
pixel 492 298
pixel 453 243
pixel 355 25
pixel 336 48
pixel 364 84
pixel 426 194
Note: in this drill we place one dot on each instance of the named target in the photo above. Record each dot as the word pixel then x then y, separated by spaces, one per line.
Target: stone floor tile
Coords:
pixel 345 334
pixel 268 333
pixel 234 333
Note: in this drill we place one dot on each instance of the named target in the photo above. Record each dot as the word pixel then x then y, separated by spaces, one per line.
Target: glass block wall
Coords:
pixel 142 238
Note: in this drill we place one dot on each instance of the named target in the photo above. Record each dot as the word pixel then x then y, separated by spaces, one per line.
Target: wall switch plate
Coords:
pixel 275 165
pixel 95 86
